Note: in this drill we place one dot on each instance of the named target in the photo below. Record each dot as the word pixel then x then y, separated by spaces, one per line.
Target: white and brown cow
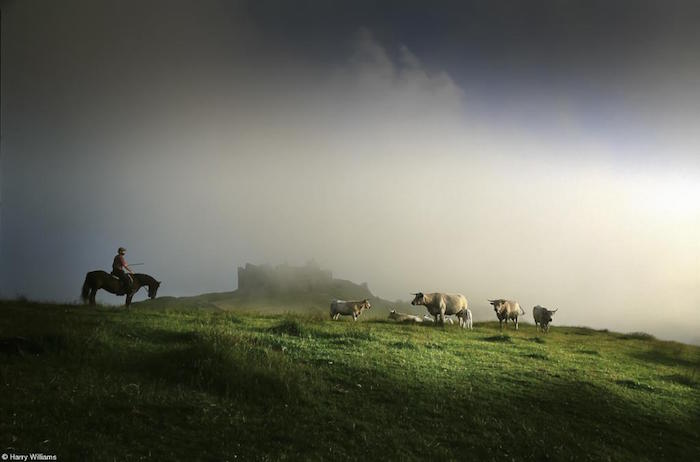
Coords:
pixel 353 309
pixel 505 310
pixel 439 305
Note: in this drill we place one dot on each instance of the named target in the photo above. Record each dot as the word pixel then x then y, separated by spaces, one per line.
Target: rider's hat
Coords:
pixel 121 249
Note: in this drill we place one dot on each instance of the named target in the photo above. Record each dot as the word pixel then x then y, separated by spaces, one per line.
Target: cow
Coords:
pixel 543 317
pixel 428 318
pixel 439 305
pixel 402 317
pixel 467 318
pixel 353 309
pixel 505 310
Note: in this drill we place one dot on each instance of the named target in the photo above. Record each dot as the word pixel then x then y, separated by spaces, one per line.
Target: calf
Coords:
pixel 465 318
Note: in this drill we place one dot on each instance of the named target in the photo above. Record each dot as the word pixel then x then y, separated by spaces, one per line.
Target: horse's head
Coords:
pixel 153 289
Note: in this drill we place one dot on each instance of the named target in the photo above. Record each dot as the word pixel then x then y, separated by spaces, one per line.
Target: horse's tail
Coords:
pixel 86 290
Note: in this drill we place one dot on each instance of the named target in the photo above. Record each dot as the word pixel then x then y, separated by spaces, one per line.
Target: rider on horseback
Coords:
pixel 120 268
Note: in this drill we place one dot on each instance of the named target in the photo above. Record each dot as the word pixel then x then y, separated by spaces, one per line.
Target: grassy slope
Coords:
pixel 151 384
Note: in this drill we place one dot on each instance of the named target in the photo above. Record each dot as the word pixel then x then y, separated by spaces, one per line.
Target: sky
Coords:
pixel 542 151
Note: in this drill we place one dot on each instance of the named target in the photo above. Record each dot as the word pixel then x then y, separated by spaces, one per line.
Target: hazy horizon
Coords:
pixel 547 153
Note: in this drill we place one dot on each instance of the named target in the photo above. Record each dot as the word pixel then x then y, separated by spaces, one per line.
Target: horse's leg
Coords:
pixel 128 299
pixel 93 292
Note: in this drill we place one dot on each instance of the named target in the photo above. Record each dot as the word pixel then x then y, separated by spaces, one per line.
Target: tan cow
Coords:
pixel 439 305
pixel 353 309
pixel 505 310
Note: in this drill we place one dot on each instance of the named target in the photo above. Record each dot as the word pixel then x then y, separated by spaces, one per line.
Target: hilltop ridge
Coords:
pixel 284 288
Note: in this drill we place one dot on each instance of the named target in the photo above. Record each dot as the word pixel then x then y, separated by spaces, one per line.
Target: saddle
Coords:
pixel 122 289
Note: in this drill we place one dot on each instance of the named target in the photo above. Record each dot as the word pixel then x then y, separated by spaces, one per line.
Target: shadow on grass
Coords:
pixel 589 352
pixel 228 366
pixel 503 338
pixel 671 355
pixel 687 380
pixel 636 336
pixel 631 430
pixel 635 385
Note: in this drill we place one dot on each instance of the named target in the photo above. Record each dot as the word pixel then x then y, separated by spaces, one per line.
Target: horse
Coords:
pixel 95 280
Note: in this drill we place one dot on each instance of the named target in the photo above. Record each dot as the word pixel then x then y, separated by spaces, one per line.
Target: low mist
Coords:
pixel 207 143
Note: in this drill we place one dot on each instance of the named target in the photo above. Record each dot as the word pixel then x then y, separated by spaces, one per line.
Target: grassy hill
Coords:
pixel 312 303
pixel 161 384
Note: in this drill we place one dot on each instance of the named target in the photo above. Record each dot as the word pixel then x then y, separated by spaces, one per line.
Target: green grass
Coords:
pixel 146 384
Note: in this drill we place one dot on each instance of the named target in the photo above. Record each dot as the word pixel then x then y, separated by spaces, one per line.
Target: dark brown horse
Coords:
pixel 99 279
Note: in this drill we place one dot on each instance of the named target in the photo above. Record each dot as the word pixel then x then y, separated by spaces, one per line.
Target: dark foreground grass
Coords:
pixel 105 384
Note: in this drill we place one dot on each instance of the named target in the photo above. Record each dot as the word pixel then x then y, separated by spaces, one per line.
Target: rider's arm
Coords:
pixel 126 266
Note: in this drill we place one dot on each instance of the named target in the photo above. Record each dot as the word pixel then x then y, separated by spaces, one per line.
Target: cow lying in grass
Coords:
pixel 428 318
pixel 353 309
pixel 402 317
pixel 464 318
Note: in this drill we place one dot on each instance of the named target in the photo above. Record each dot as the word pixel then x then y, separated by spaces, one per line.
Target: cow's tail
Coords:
pixel 522 311
pixel 86 290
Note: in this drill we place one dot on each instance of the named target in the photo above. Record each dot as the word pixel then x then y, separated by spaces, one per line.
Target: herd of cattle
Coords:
pixel 440 305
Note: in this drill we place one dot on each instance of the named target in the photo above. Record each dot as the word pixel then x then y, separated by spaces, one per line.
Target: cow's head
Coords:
pixel 497 304
pixel 419 299
pixel 547 315
pixel 365 305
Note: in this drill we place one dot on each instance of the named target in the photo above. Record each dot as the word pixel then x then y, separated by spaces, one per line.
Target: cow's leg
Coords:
pixel 354 316
pixel 516 323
